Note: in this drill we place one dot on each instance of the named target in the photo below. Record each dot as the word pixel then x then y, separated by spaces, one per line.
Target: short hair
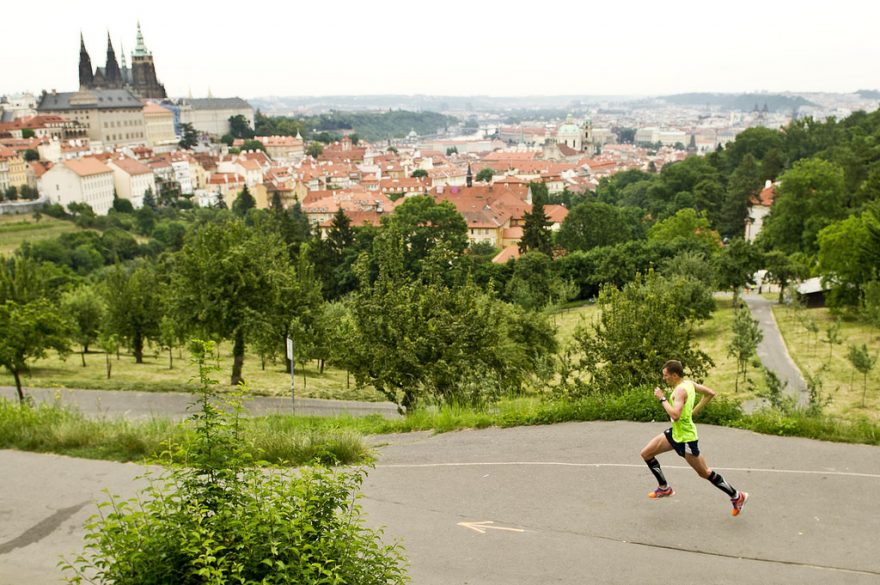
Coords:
pixel 674 367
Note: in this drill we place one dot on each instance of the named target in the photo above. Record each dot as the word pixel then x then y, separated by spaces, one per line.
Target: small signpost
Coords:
pixel 290 357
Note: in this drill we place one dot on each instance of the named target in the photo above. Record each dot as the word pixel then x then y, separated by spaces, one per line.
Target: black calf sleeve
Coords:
pixel 654 466
pixel 722 485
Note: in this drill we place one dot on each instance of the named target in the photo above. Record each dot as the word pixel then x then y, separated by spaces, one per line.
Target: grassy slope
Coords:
pixel 15 229
pixel 840 382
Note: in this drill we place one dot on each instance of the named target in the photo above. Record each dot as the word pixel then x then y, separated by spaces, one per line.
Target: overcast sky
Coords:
pixel 453 47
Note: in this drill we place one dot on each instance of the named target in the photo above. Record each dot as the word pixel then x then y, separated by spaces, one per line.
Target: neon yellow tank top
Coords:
pixel 684 430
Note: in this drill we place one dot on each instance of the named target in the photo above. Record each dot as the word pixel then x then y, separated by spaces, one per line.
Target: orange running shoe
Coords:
pixel 662 493
pixel 738 503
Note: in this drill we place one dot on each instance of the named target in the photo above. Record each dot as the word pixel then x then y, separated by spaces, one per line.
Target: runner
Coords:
pixel 682 437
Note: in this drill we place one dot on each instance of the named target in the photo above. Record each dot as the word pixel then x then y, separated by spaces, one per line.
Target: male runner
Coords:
pixel 683 435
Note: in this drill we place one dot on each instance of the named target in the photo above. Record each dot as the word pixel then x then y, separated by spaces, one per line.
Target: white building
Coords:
pixel 85 180
pixel 759 209
pixel 211 115
pixel 132 180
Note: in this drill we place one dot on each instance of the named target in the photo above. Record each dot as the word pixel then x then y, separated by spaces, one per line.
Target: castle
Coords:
pixel 140 78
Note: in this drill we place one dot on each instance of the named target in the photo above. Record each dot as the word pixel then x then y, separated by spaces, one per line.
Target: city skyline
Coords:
pixel 459 49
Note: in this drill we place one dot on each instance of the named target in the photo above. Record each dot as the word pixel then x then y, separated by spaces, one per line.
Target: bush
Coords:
pixel 217 519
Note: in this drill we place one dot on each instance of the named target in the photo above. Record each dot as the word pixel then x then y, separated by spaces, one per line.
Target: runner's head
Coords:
pixel 673 371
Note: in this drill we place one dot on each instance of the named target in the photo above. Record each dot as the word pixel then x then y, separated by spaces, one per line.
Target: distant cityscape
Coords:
pixel 120 134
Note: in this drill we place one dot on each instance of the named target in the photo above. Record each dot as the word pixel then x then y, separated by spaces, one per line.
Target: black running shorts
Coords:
pixel 691 447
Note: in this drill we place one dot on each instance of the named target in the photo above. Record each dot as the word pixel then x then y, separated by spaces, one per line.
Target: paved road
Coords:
pixel 574 495
pixel 772 351
pixel 175 404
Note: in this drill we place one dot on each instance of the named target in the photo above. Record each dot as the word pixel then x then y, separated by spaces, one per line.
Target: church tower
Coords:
pixel 86 77
pixel 143 71
pixel 112 75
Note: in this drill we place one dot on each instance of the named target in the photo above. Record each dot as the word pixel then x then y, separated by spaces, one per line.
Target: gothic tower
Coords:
pixel 86 77
pixel 112 75
pixel 143 71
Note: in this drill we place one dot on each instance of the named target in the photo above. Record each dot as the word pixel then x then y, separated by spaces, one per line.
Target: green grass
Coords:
pixel 16 229
pixel 154 375
pixel 840 382
pixel 51 428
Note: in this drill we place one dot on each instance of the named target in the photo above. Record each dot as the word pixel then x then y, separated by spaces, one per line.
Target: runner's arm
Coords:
pixel 706 394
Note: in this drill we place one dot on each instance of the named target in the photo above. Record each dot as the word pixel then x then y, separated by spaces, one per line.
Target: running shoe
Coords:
pixel 738 503
pixel 662 493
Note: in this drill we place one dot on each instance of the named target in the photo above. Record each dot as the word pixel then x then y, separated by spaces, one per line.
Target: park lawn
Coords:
pixel 840 382
pixel 714 337
pixel 154 375
pixel 16 229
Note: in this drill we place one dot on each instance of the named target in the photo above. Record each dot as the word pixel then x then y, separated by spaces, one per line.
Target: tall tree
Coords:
pixel 243 203
pixel 591 225
pixel 227 275
pixel 536 224
pixel 189 136
pixel 736 265
pixel 809 198
pixel 29 330
pixel 424 225
pixel 133 305
pixel 86 308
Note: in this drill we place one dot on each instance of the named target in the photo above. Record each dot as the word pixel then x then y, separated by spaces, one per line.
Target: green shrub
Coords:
pixel 217 519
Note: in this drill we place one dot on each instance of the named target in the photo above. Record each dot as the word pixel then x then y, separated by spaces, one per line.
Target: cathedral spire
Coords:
pixel 112 76
pixel 86 75
pixel 140 49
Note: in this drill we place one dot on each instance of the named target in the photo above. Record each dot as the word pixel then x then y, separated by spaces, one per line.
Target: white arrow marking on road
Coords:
pixel 481 527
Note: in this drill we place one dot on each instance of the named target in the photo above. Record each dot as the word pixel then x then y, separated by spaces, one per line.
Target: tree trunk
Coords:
pixel 82 354
pixel 237 357
pixel 321 361
pixel 170 358
pixel 18 386
pixel 109 364
pixel 138 343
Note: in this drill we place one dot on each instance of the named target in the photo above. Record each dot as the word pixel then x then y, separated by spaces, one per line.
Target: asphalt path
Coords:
pixel 536 505
pixel 772 350
pixel 177 405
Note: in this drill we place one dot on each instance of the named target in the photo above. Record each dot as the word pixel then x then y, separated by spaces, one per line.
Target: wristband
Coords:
pixel 663 399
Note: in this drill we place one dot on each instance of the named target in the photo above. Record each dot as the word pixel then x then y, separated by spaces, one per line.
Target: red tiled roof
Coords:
pixel 87 166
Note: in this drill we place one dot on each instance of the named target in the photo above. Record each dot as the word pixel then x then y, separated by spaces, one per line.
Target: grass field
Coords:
pixel 842 385
pixel 154 375
pixel 15 229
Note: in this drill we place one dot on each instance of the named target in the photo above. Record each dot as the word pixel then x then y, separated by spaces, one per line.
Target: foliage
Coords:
pixel 189 136
pixel 638 329
pixel 810 197
pixel 419 173
pixel 425 225
pixel 217 519
pixel 427 341
pixel 592 224
pixel 736 265
pixel 87 310
pixel 243 203
pixel 239 127
pixel 689 227
pixel 744 345
pixel 132 298
pixel 227 276
pixel 29 330
pixel 864 362
pixel 536 224
pixel 485 175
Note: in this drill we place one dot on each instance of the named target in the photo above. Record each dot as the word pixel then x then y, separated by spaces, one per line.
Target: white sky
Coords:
pixel 454 47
